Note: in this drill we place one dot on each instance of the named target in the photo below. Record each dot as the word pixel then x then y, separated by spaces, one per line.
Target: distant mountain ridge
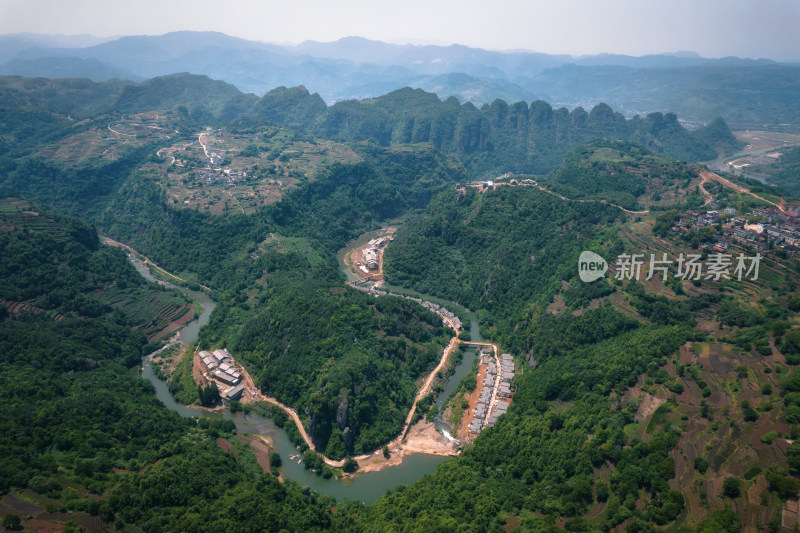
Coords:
pixel 500 137
pixel 740 90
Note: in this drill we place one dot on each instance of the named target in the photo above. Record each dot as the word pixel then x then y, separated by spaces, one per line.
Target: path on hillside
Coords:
pixel 200 140
pixel 258 395
pixel 394 443
pixel 707 175
pixel 397 442
pixel 112 130
pixel 237 201
pixel 111 242
pixel 158 153
pixel 424 390
pixel 702 187
pixel 593 200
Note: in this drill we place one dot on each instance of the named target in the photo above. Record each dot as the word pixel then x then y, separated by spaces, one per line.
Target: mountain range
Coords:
pixel 745 92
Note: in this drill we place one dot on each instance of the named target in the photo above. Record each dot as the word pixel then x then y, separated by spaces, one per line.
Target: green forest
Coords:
pixel 55 265
pixel 498 251
pixel 499 137
pixel 83 430
pixel 77 423
pixel 347 359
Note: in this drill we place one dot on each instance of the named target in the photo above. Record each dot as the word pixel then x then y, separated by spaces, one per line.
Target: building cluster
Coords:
pixel 220 364
pixel 441 311
pixel 488 410
pixel 216 158
pixel 782 227
pixel 369 257
pixel 776 226
pixel 506 375
pixel 210 177
pixel 492 184
pixel 438 309
pixel 698 219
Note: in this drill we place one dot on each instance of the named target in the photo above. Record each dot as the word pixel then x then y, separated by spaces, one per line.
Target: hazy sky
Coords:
pixel 713 28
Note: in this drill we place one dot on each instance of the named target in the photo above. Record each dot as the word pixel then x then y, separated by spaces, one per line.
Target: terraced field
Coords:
pixel 55 244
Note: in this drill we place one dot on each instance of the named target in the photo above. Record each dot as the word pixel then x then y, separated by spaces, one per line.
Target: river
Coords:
pixel 721 164
pixel 462 368
pixel 190 331
pixel 366 487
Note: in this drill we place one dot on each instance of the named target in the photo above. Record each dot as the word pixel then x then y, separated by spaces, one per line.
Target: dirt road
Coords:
pixel 705 175
pixel 586 200
pixel 397 442
pixel 200 140
pixel 394 443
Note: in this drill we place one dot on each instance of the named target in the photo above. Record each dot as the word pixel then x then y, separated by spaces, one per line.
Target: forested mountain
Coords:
pixel 622 173
pixel 634 402
pixel 742 91
pixel 499 137
pixel 55 265
pixel 514 137
pixel 590 352
pixel 80 429
pixel 496 251
pixel 345 359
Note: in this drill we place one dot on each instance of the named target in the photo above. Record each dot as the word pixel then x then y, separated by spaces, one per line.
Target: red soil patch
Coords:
pixel 20 506
pixel 175 325
pixel 92 524
pixel 227 446
pixel 789 517
pixel 148 467
pixel 647 405
pixel 463 431
pixel 198 369
pixel 41 526
pixel 765 425
pixel 260 450
pixel 687 355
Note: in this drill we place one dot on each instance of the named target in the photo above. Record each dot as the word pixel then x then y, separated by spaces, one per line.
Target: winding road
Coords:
pixel 398 440
pixel 592 200
pixel 706 176
pixel 424 390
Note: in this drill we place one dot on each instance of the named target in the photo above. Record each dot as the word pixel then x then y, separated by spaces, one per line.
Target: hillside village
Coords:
pixel 761 229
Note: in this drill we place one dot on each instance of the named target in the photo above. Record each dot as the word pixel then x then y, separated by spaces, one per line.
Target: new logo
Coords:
pixel 591 266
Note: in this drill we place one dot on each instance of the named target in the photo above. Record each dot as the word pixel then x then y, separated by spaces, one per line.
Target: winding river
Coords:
pixel 366 487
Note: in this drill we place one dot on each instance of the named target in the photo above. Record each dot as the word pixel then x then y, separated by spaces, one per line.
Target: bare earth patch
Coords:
pixel 648 404
pixel 421 438
pixel 260 449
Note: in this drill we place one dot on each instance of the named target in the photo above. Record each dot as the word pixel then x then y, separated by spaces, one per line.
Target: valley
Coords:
pixel 392 284
pixel 760 148
pixel 416 437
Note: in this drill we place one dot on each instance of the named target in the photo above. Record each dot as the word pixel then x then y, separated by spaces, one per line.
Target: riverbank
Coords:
pixel 148 263
pixel 417 449
pixel 407 441
pixel 410 439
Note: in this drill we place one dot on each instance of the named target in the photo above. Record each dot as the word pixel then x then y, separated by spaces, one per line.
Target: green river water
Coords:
pixel 365 487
